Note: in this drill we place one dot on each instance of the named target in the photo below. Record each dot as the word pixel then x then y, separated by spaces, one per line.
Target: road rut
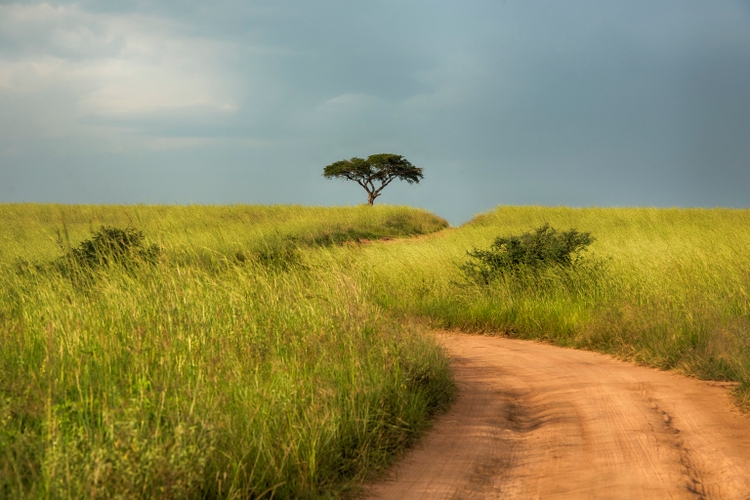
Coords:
pixel 537 421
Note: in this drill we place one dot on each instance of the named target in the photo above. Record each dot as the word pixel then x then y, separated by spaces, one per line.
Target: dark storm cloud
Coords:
pixel 523 102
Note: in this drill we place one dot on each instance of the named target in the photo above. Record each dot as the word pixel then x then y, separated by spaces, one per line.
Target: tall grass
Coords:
pixel 664 287
pixel 204 375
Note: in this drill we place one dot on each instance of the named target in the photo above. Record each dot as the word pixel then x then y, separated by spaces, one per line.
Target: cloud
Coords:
pixel 62 66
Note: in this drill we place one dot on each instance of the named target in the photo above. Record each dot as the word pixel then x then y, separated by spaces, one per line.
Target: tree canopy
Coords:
pixel 374 173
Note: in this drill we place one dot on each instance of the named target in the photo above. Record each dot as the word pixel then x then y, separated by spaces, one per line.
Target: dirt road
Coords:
pixel 537 421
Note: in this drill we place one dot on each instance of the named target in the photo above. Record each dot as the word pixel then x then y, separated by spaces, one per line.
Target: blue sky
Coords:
pixel 581 103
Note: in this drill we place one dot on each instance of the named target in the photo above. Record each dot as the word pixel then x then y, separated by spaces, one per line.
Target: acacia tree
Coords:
pixel 374 173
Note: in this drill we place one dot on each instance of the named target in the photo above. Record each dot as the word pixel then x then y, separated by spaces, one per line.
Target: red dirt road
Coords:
pixel 536 421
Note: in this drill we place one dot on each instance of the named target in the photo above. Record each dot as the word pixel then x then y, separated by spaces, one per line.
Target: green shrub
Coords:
pixel 109 245
pixel 540 248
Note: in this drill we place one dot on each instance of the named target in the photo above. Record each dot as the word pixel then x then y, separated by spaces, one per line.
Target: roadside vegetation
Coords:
pixel 205 354
pixel 248 352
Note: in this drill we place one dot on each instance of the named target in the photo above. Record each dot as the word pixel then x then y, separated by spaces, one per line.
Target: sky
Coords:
pixel 501 102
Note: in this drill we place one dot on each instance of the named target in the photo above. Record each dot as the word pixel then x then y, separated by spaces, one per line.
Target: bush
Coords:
pixel 109 245
pixel 540 248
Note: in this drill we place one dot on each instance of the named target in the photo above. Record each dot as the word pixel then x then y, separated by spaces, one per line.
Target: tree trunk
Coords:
pixel 371 198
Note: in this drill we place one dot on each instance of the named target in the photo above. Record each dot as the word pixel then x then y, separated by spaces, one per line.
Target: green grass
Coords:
pixel 205 374
pixel 267 353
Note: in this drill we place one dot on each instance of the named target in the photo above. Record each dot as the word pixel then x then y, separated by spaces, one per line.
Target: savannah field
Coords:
pixel 281 351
